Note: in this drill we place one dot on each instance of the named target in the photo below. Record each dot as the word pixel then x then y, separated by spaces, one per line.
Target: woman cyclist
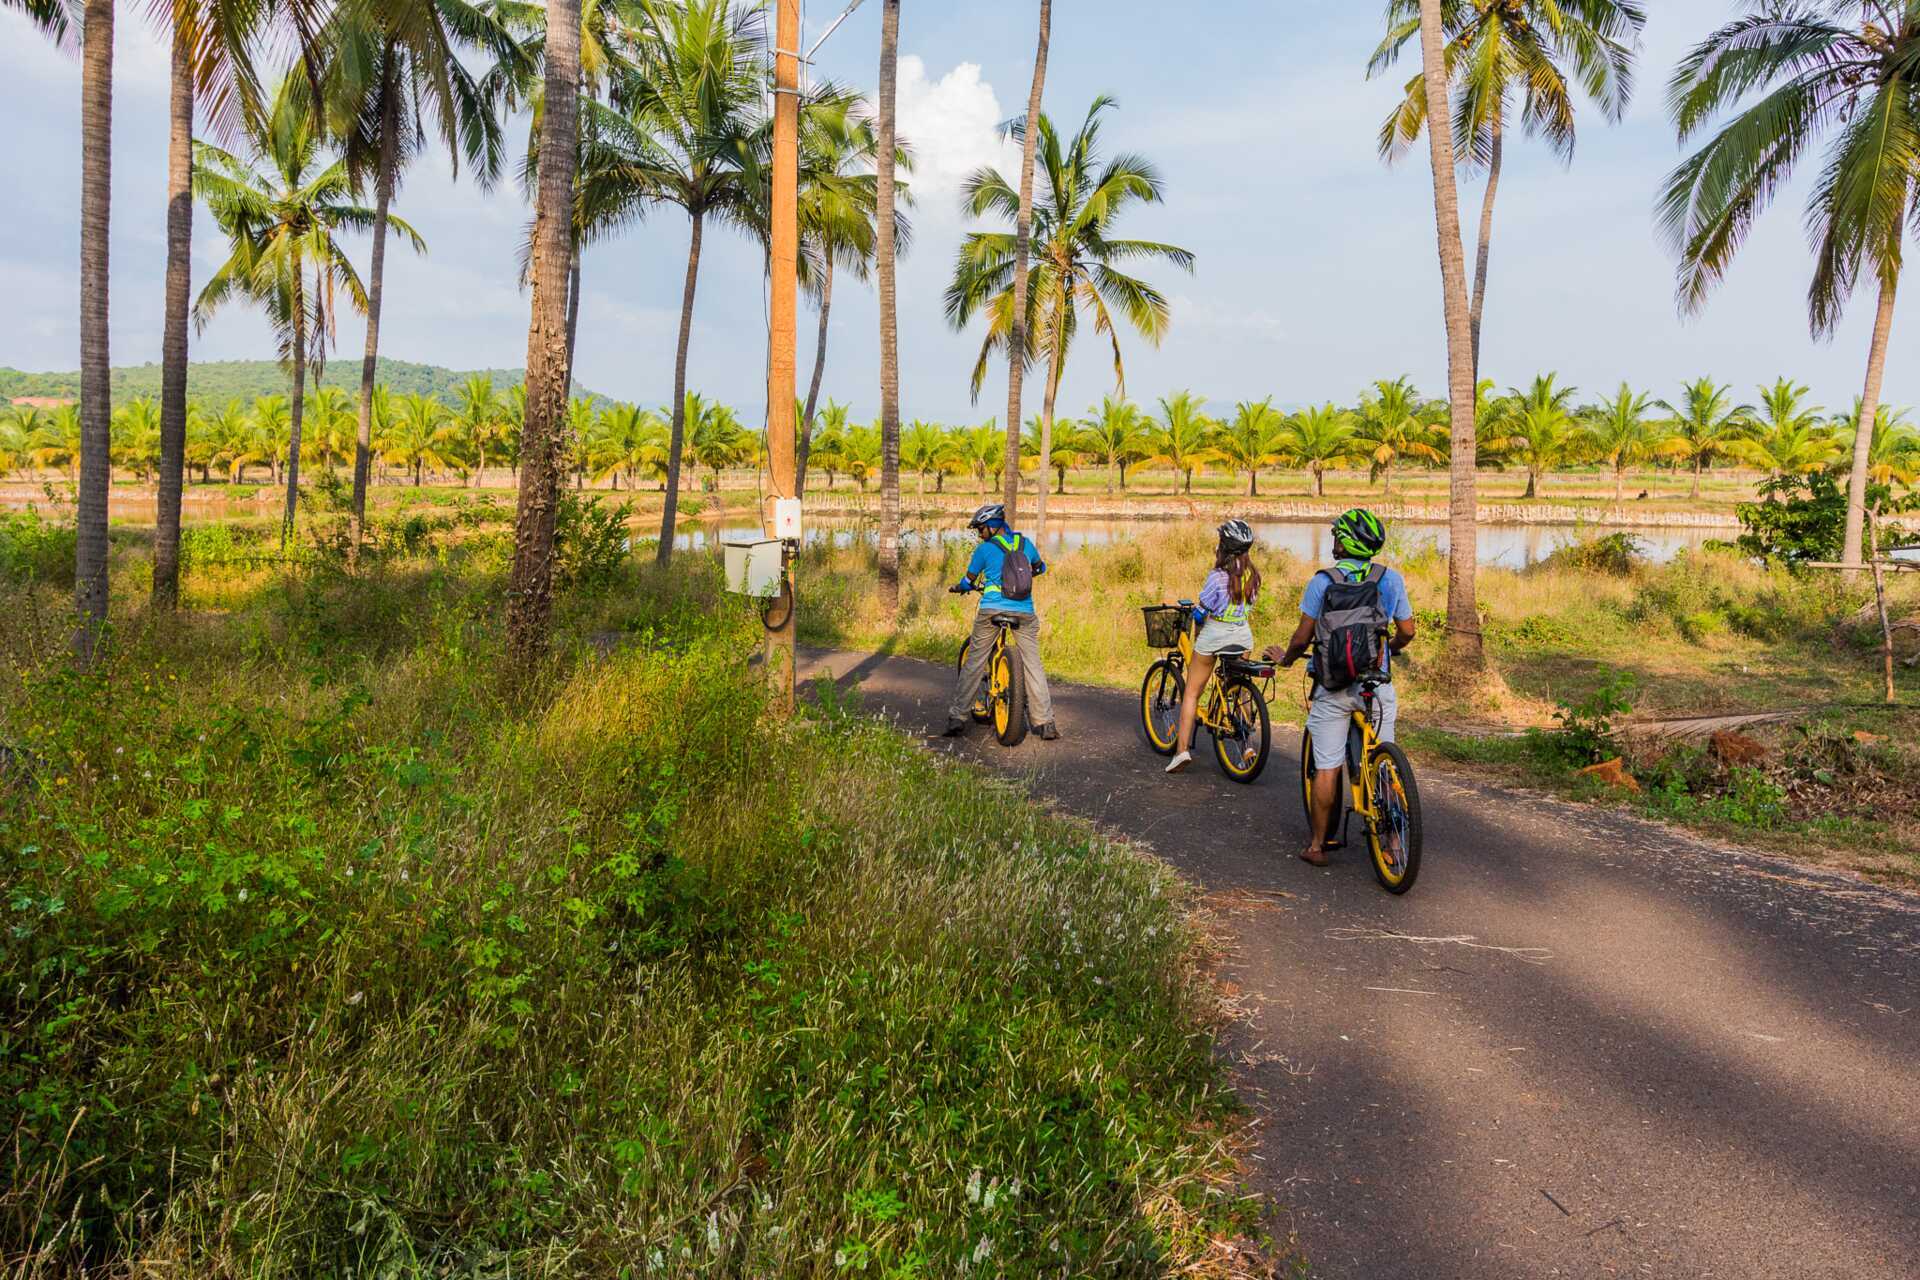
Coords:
pixel 1226 605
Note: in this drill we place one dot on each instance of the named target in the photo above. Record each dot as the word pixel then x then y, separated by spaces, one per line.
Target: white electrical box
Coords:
pixel 755 568
pixel 786 518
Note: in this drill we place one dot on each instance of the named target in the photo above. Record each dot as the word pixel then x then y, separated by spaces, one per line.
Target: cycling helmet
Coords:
pixel 1236 537
pixel 1358 534
pixel 992 513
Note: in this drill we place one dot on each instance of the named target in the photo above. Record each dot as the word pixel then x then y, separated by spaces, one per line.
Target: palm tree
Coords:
pixel 394 78
pixel 477 416
pixel 1067 440
pixel 136 430
pixel 1791 439
pixel 1392 427
pixel 255 437
pixel 1500 50
pixel 1116 435
pixel 828 449
pixel 1893 446
pixel 924 450
pixel 19 437
pixel 681 138
pixel 1076 254
pixel 1319 438
pixel 330 431
pixel 1020 337
pixel 96 388
pixel 1619 434
pixel 1463 513
pixel 1706 423
pixel 980 446
pixel 885 223
pixel 421 436
pixel 1850 68
pixel 1252 440
pixel 862 456
pixel 208 40
pixel 1182 440
pixel 1538 430
pixel 281 218
pixel 715 438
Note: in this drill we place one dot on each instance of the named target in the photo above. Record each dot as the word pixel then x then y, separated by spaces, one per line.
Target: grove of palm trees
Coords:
pixel 414 863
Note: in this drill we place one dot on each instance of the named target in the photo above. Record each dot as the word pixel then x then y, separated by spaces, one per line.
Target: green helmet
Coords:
pixel 1358 534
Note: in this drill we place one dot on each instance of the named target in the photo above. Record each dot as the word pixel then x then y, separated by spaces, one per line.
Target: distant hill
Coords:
pixel 220 380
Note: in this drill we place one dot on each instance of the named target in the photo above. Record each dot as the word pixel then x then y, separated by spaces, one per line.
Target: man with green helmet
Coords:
pixel 1343 612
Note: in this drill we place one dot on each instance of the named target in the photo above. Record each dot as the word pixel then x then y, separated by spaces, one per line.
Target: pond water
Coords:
pixel 1512 546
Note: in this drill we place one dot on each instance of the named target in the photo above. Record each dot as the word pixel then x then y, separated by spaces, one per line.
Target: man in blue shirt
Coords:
pixel 984 574
pixel 1358 536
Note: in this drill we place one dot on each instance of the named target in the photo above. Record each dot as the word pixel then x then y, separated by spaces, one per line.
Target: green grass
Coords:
pixel 329 952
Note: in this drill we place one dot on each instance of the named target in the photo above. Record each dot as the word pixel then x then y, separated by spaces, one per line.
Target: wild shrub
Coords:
pixel 36 549
pixel 1620 554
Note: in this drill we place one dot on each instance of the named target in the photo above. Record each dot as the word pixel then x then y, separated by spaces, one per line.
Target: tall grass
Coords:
pixel 326 954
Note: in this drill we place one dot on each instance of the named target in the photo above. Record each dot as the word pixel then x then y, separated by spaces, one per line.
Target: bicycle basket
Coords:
pixel 1165 622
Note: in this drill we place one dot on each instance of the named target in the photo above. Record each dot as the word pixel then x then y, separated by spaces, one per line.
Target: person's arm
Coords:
pixel 1301 640
pixel 1403 629
pixel 1039 565
pixel 1401 610
pixel 970 581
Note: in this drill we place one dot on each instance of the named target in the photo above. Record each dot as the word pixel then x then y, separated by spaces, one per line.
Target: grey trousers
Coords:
pixel 1027 644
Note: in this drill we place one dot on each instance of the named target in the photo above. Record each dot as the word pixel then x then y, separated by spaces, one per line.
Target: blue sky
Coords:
pixel 1316 268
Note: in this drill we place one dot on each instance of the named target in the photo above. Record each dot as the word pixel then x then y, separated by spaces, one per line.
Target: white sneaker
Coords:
pixel 1180 762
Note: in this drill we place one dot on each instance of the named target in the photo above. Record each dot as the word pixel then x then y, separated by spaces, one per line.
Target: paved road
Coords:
pixel 1691 1063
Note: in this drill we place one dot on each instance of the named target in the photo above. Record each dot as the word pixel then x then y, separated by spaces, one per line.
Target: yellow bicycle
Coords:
pixel 1232 709
pixel 1378 787
pixel 1002 698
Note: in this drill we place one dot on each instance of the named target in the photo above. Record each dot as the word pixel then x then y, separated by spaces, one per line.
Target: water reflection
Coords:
pixel 1511 546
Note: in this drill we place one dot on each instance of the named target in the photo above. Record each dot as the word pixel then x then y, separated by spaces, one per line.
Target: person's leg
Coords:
pixel 978 655
pixel 1327 719
pixel 1197 676
pixel 1326 783
pixel 1039 696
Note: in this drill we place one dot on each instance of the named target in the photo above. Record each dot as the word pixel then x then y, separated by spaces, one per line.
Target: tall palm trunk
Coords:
pixel 677 440
pixel 376 281
pixel 1697 466
pixel 1619 485
pixel 1253 482
pixel 1046 426
pixel 1463 616
pixel 1486 236
pixel 295 412
pixel 889 329
pixel 173 341
pixel 813 387
pixel 542 446
pixel 1022 236
pixel 1863 433
pixel 96 396
pixel 573 308
pixel 1532 486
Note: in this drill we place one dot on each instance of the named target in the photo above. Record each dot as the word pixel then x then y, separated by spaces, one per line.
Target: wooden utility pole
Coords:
pixel 783 305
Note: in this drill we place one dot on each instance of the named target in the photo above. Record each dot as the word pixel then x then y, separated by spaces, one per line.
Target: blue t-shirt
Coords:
pixel 983 571
pixel 1393 592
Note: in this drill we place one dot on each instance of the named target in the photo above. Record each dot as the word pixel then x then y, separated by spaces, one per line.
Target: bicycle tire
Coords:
pixel 1336 827
pixel 1160 692
pixel 1409 804
pixel 1242 698
pixel 981 712
pixel 1010 706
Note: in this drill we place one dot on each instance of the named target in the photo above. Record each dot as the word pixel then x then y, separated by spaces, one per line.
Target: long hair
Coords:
pixel 1243 579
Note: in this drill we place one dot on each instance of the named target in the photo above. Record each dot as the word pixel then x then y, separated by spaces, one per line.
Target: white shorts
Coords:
pixel 1329 713
pixel 1216 635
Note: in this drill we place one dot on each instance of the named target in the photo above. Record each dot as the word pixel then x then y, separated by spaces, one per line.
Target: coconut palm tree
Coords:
pixel 885 234
pixel 1067 449
pixel 1705 425
pixel 210 45
pixel 280 215
pixel 331 426
pixel 136 435
pixel 96 388
pixel 1020 337
pixel 626 440
pixel 394 79
pixel 1500 51
pixel 1116 434
pixel 1076 258
pixel 828 450
pixel 477 417
pixel 981 449
pixel 1538 430
pixel 1893 446
pixel 862 455
pixel 422 436
pixel 19 437
pixel 1845 69
pixel 1183 437
pixel 1318 438
pixel 1619 434
pixel 256 438
pixel 925 449
pixel 1392 427
pixel 680 137
pixel 1253 439
pixel 1790 439
pixel 715 438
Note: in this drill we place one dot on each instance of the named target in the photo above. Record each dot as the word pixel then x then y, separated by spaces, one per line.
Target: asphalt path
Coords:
pixel 1582 1045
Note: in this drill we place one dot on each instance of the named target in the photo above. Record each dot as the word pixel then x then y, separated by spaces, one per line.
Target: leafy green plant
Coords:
pixel 35 549
pixel 1587 732
pixel 590 541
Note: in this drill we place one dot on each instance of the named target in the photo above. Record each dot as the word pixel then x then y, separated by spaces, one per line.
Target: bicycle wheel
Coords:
pixel 1160 695
pixel 1393 834
pixel 1337 826
pixel 981 712
pixel 1007 686
pixel 1241 749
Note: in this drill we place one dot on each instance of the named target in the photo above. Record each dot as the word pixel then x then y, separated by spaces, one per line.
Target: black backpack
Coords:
pixel 1016 570
pixel 1346 635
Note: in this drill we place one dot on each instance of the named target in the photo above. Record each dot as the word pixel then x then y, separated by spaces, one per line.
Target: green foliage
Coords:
pixel 35 549
pixel 1587 732
pixel 590 541
pixel 217 381
pixel 1799 518
pixel 1619 554
pixel 328 954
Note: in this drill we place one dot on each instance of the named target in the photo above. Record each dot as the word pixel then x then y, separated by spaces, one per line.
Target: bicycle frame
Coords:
pixel 1366 717
pixel 1211 710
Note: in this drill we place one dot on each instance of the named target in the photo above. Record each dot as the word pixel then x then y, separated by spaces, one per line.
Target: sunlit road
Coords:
pixel 1598 1049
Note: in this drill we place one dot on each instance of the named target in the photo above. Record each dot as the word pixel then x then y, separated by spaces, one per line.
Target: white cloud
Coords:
pixel 953 125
